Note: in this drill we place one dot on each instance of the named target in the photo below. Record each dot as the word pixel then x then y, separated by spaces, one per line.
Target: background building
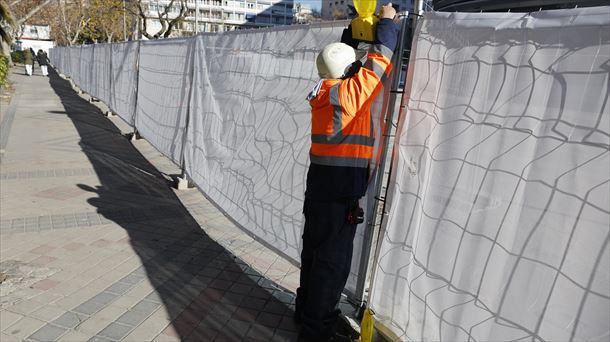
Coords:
pixel 338 9
pixel 222 15
pixel 302 13
pixel 36 37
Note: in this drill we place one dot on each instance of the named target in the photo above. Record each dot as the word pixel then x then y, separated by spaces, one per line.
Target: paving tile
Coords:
pixel 25 307
pixel 48 332
pixel 119 288
pixel 287 323
pixel 74 336
pixel 150 328
pixel 253 303
pixel 284 297
pixel 166 338
pixel 126 302
pixel 24 327
pixel 48 313
pixel 275 307
pixel 115 331
pixel 170 330
pixel 45 284
pixel 42 249
pixel 102 243
pixel 259 332
pixel 69 320
pixel 233 298
pixel 238 327
pixel 7 338
pixel 154 297
pixel 73 246
pixel 88 308
pixel 43 260
pixel 133 318
pixel 132 279
pixel 285 336
pixel 245 314
pixel 269 319
pixel 7 318
pixel 99 339
pixel 104 298
pixel 240 288
pixel 146 306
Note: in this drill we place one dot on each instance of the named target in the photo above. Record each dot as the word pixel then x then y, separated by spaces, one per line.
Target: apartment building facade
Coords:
pixel 222 15
pixel 339 9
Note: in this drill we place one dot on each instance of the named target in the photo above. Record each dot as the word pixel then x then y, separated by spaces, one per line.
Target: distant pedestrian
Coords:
pixel 33 59
pixel 28 60
pixel 43 61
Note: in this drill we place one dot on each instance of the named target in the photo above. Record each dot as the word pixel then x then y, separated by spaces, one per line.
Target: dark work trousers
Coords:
pixel 325 265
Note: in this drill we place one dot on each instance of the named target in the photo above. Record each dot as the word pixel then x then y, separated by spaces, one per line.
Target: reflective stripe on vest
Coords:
pixel 342 127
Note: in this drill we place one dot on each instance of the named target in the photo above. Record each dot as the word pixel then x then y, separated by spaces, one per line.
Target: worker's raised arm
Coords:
pixel 356 90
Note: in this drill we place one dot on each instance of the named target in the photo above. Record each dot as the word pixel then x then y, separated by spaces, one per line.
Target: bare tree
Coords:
pixel 73 18
pixel 163 15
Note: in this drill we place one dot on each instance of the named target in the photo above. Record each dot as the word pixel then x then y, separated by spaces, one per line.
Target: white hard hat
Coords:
pixel 334 59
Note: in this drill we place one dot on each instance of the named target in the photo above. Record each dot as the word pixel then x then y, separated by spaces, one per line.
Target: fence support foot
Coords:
pixel 182 183
pixel 110 114
pixel 93 99
pixel 133 136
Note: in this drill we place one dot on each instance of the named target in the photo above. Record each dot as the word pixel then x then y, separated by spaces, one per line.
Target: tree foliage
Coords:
pixel 7 25
pixel 106 21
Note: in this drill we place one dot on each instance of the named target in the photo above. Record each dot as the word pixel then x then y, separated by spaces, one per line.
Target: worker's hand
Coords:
pixel 387 11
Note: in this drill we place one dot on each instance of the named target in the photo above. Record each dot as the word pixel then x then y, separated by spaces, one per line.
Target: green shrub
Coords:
pixel 17 56
pixel 3 70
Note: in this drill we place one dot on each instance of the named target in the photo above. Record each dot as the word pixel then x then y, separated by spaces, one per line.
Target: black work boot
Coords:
pixel 343 327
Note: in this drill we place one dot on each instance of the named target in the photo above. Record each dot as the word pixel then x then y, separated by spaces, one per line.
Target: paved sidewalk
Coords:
pixel 97 246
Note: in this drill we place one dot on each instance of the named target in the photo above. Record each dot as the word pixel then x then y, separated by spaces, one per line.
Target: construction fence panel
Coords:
pixel 164 85
pixel 499 224
pixel 70 61
pixel 248 138
pixel 85 74
pixel 124 80
pixel 101 72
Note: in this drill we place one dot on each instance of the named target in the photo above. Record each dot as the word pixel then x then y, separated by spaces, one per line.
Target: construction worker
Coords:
pixel 342 138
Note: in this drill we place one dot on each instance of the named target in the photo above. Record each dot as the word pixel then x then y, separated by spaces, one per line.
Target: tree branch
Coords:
pixel 33 11
pixel 143 22
pixel 176 20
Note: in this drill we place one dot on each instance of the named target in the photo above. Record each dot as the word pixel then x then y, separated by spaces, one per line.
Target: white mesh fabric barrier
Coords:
pixel 164 83
pixel 249 130
pixel 247 144
pixel 124 80
pixel 85 74
pixel 75 63
pixel 499 212
pixel 101 72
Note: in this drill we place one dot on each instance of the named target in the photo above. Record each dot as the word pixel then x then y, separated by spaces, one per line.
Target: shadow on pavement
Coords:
pixel 210 294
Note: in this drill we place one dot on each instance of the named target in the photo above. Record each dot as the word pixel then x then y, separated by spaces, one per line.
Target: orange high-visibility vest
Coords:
pixel 342 132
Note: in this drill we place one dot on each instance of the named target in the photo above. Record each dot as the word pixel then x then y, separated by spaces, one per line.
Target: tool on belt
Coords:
pixel 355 214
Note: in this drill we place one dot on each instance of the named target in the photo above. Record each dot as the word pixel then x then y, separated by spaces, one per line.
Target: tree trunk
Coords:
pixel 6 51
